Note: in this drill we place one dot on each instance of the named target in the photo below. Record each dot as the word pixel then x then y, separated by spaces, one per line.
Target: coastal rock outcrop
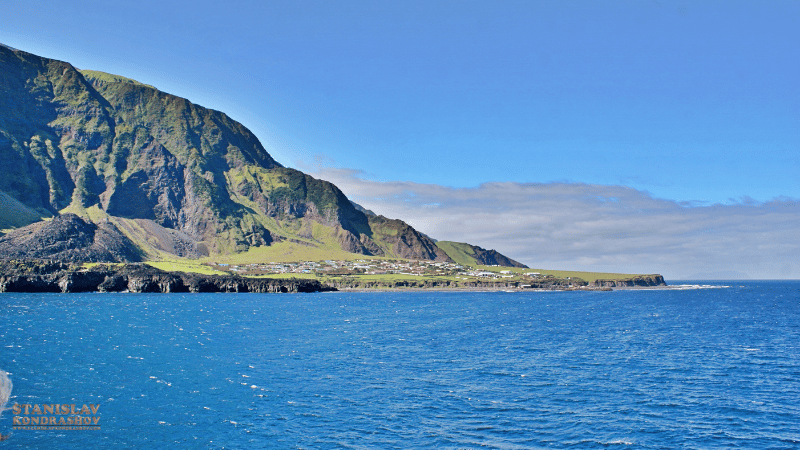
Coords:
pixel 45 276
pixel 641 281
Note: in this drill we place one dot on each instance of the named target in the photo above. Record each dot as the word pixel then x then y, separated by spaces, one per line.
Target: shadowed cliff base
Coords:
pixel 58 277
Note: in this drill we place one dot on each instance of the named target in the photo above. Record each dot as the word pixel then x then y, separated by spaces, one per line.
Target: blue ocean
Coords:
pixel 717 367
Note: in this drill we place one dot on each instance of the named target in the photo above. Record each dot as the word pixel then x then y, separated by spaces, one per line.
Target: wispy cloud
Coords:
pixel 593 227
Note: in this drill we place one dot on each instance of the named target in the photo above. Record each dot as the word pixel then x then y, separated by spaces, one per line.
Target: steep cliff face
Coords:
pixel 399 239
pixel 171 175
pixel 294 200
pixel 38 97
pixel 71 139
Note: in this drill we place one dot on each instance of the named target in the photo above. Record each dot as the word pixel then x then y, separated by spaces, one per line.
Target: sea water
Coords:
pixel 697 368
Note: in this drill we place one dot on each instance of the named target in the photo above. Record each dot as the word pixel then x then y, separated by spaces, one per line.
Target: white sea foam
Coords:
pixel 684 287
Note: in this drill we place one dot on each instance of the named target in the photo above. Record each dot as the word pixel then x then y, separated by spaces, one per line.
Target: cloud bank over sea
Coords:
pixel 595 227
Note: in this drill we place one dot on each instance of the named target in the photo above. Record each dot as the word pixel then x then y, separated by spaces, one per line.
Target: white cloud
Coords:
pixel 592 227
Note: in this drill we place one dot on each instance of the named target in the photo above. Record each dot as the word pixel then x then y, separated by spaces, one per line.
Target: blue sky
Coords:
pixel 696 103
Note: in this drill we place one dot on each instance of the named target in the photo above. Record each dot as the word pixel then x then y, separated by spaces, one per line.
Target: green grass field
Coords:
pixel 283 276
pixel 287 252
pixel 187 266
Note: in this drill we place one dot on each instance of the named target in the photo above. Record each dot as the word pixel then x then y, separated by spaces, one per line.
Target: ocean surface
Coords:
pixel 654 369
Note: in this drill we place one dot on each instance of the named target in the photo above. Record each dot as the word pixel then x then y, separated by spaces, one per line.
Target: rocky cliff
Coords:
pixel 44 276
pixel 640 281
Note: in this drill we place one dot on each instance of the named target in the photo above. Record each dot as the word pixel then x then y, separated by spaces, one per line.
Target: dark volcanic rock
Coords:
pixel 38 276
pixel 641 281
pixel 113 283
pixel 69 238
pixel 81 281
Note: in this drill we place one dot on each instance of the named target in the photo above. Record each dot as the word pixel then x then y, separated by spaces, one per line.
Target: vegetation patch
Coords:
pixel 459 252
pixel 93 75
pixel 14 214
pixel 284 252
pixel 186 266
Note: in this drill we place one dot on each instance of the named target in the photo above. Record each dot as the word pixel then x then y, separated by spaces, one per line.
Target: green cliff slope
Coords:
pixel 471 255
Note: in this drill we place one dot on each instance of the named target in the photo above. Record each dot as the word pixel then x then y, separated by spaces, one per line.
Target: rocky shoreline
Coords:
pixel 58 277
pixel 640 281
pixel 64 277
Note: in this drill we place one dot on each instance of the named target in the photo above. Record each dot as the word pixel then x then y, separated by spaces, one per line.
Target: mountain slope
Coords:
pixel 14 214
pixel 69 238
pixel 472 255
pixel 172 177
